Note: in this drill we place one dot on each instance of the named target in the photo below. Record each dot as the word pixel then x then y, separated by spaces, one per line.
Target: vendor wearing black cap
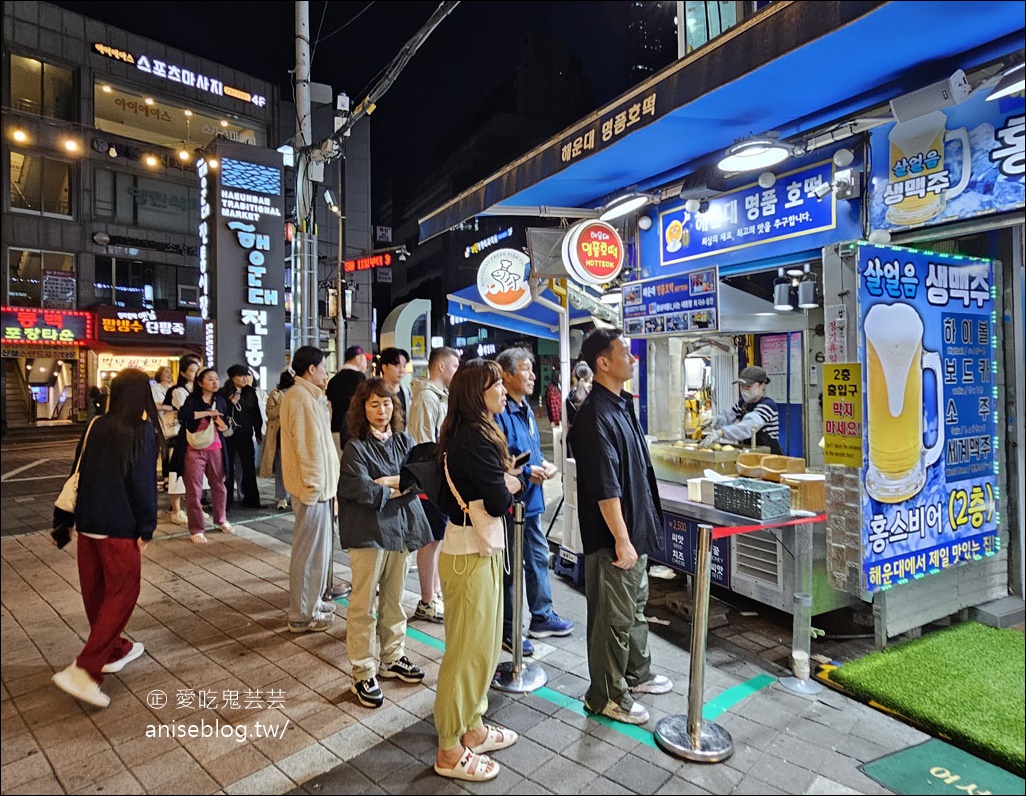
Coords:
pixel 754 413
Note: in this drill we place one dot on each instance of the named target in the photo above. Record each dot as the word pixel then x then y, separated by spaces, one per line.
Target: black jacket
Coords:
pixel 109 504
pixel 341 388
pixel 246 413
pixel 187 417
pixel 476 470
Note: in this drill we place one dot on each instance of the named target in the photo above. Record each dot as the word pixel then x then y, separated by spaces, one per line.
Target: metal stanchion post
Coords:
pixel 801 635
pixel 516 675
pixel 689 737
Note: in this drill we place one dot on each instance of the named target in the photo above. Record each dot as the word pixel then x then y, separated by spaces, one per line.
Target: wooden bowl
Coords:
pixel 750 464
pixel 775 466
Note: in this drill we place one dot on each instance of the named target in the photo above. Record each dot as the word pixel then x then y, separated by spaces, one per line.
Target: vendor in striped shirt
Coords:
pixel 753 413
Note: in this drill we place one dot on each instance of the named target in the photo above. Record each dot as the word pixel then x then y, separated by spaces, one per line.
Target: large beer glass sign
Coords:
pixel 927 347
pixel 894 349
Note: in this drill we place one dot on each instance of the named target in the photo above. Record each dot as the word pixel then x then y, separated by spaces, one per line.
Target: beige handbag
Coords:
pixel 490 531
pixel 68 497
pixel 202 438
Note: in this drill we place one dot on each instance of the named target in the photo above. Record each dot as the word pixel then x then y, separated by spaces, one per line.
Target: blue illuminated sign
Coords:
pixel 749 216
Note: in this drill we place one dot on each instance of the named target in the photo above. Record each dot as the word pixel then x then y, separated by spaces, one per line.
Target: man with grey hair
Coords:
pixel 518 424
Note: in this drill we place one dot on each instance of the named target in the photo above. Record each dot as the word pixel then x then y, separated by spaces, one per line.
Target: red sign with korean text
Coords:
pixel 594 252
pixel 31 326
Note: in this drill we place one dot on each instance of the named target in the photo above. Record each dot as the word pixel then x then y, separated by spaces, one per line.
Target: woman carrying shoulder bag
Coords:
pixel 115 515
pixel 473 451
pixel 174 398
pixel 202 418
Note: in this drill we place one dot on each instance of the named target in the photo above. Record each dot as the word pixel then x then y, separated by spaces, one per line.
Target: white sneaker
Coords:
pixel 657 684
pixel 77 682
pixel 282 504
pixel 178 518
pixel 636 715
pixel 131 655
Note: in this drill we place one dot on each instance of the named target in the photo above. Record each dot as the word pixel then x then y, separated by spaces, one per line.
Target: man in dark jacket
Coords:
pixel 340 391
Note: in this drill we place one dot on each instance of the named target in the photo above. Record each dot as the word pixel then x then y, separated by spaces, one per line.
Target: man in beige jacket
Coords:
pixel 309 467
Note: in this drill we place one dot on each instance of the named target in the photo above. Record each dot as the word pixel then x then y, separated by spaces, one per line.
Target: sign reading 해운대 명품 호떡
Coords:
pixel 927 350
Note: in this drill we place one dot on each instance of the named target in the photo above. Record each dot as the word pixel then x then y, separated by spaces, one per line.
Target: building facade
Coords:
pixel 101 133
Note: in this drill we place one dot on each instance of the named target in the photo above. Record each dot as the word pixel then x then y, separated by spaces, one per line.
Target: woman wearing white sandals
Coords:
pixel 479 468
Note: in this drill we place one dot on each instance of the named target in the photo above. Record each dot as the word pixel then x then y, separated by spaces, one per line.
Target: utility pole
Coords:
pixel 341 312
pixel 304 243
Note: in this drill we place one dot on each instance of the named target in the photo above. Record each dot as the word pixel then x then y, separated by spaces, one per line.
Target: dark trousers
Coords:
pixel 109 572
pixel 241 444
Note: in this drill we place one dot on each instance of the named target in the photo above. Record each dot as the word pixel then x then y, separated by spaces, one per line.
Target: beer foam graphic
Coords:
pixel 896 332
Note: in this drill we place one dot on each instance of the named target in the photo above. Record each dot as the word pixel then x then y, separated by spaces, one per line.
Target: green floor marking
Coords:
pixel 712 710
pixel 716 707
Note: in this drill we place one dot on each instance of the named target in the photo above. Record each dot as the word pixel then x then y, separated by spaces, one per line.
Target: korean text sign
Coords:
pixel 964 161
pixel 749 216
pixel 46 327
pixel 687 302
pixel 928 355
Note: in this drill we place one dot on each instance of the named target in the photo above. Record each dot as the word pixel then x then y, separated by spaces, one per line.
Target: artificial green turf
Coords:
pixel 965 682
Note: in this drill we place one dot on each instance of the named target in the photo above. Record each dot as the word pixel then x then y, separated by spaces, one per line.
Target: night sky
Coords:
pixel 472 51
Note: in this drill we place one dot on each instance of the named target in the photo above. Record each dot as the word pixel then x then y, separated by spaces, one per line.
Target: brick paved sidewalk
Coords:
pixel 213 620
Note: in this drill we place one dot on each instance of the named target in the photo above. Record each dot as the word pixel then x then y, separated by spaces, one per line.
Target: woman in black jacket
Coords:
pixel 474 451
pixel 115 514
pixel 203 407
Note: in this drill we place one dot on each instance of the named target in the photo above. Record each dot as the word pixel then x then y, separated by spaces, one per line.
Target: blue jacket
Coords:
pixel 518 424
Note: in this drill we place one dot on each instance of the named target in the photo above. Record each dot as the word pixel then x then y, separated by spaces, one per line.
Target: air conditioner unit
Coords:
pixel 188 296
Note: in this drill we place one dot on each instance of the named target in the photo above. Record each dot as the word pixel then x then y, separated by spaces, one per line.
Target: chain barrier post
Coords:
pixel 516 675
pixel 689 737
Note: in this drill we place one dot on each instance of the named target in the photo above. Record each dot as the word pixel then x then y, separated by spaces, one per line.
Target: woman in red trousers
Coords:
pixel 115 515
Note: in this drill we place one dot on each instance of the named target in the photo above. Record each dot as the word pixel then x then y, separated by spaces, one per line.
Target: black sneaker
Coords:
pixel 369 693
pixel 527 649
pixel 403 669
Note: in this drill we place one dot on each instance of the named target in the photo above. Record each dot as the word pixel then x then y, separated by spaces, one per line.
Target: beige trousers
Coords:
pixel 380 620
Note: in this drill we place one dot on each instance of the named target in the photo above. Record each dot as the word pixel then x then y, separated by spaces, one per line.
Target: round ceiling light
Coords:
pixel 755 154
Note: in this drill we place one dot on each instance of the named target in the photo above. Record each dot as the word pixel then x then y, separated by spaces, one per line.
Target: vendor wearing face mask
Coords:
pixel 753 413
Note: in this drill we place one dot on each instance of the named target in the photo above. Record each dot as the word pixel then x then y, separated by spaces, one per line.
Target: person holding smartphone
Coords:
pixel 518 424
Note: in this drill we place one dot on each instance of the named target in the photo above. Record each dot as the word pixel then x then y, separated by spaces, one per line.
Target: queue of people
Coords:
pixel 483 436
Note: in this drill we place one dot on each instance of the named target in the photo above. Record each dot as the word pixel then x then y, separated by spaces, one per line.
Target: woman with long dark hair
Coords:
pixel 474 450
pixel 115 515
pixel 188 367
pixel 203 407
pixel 380 527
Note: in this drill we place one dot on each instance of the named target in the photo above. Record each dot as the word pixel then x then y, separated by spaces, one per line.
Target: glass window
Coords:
pixel 145 202
pixel 144 117
pixel 41 88
pixel 40 185
pixel 136 285
pixel 41 279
